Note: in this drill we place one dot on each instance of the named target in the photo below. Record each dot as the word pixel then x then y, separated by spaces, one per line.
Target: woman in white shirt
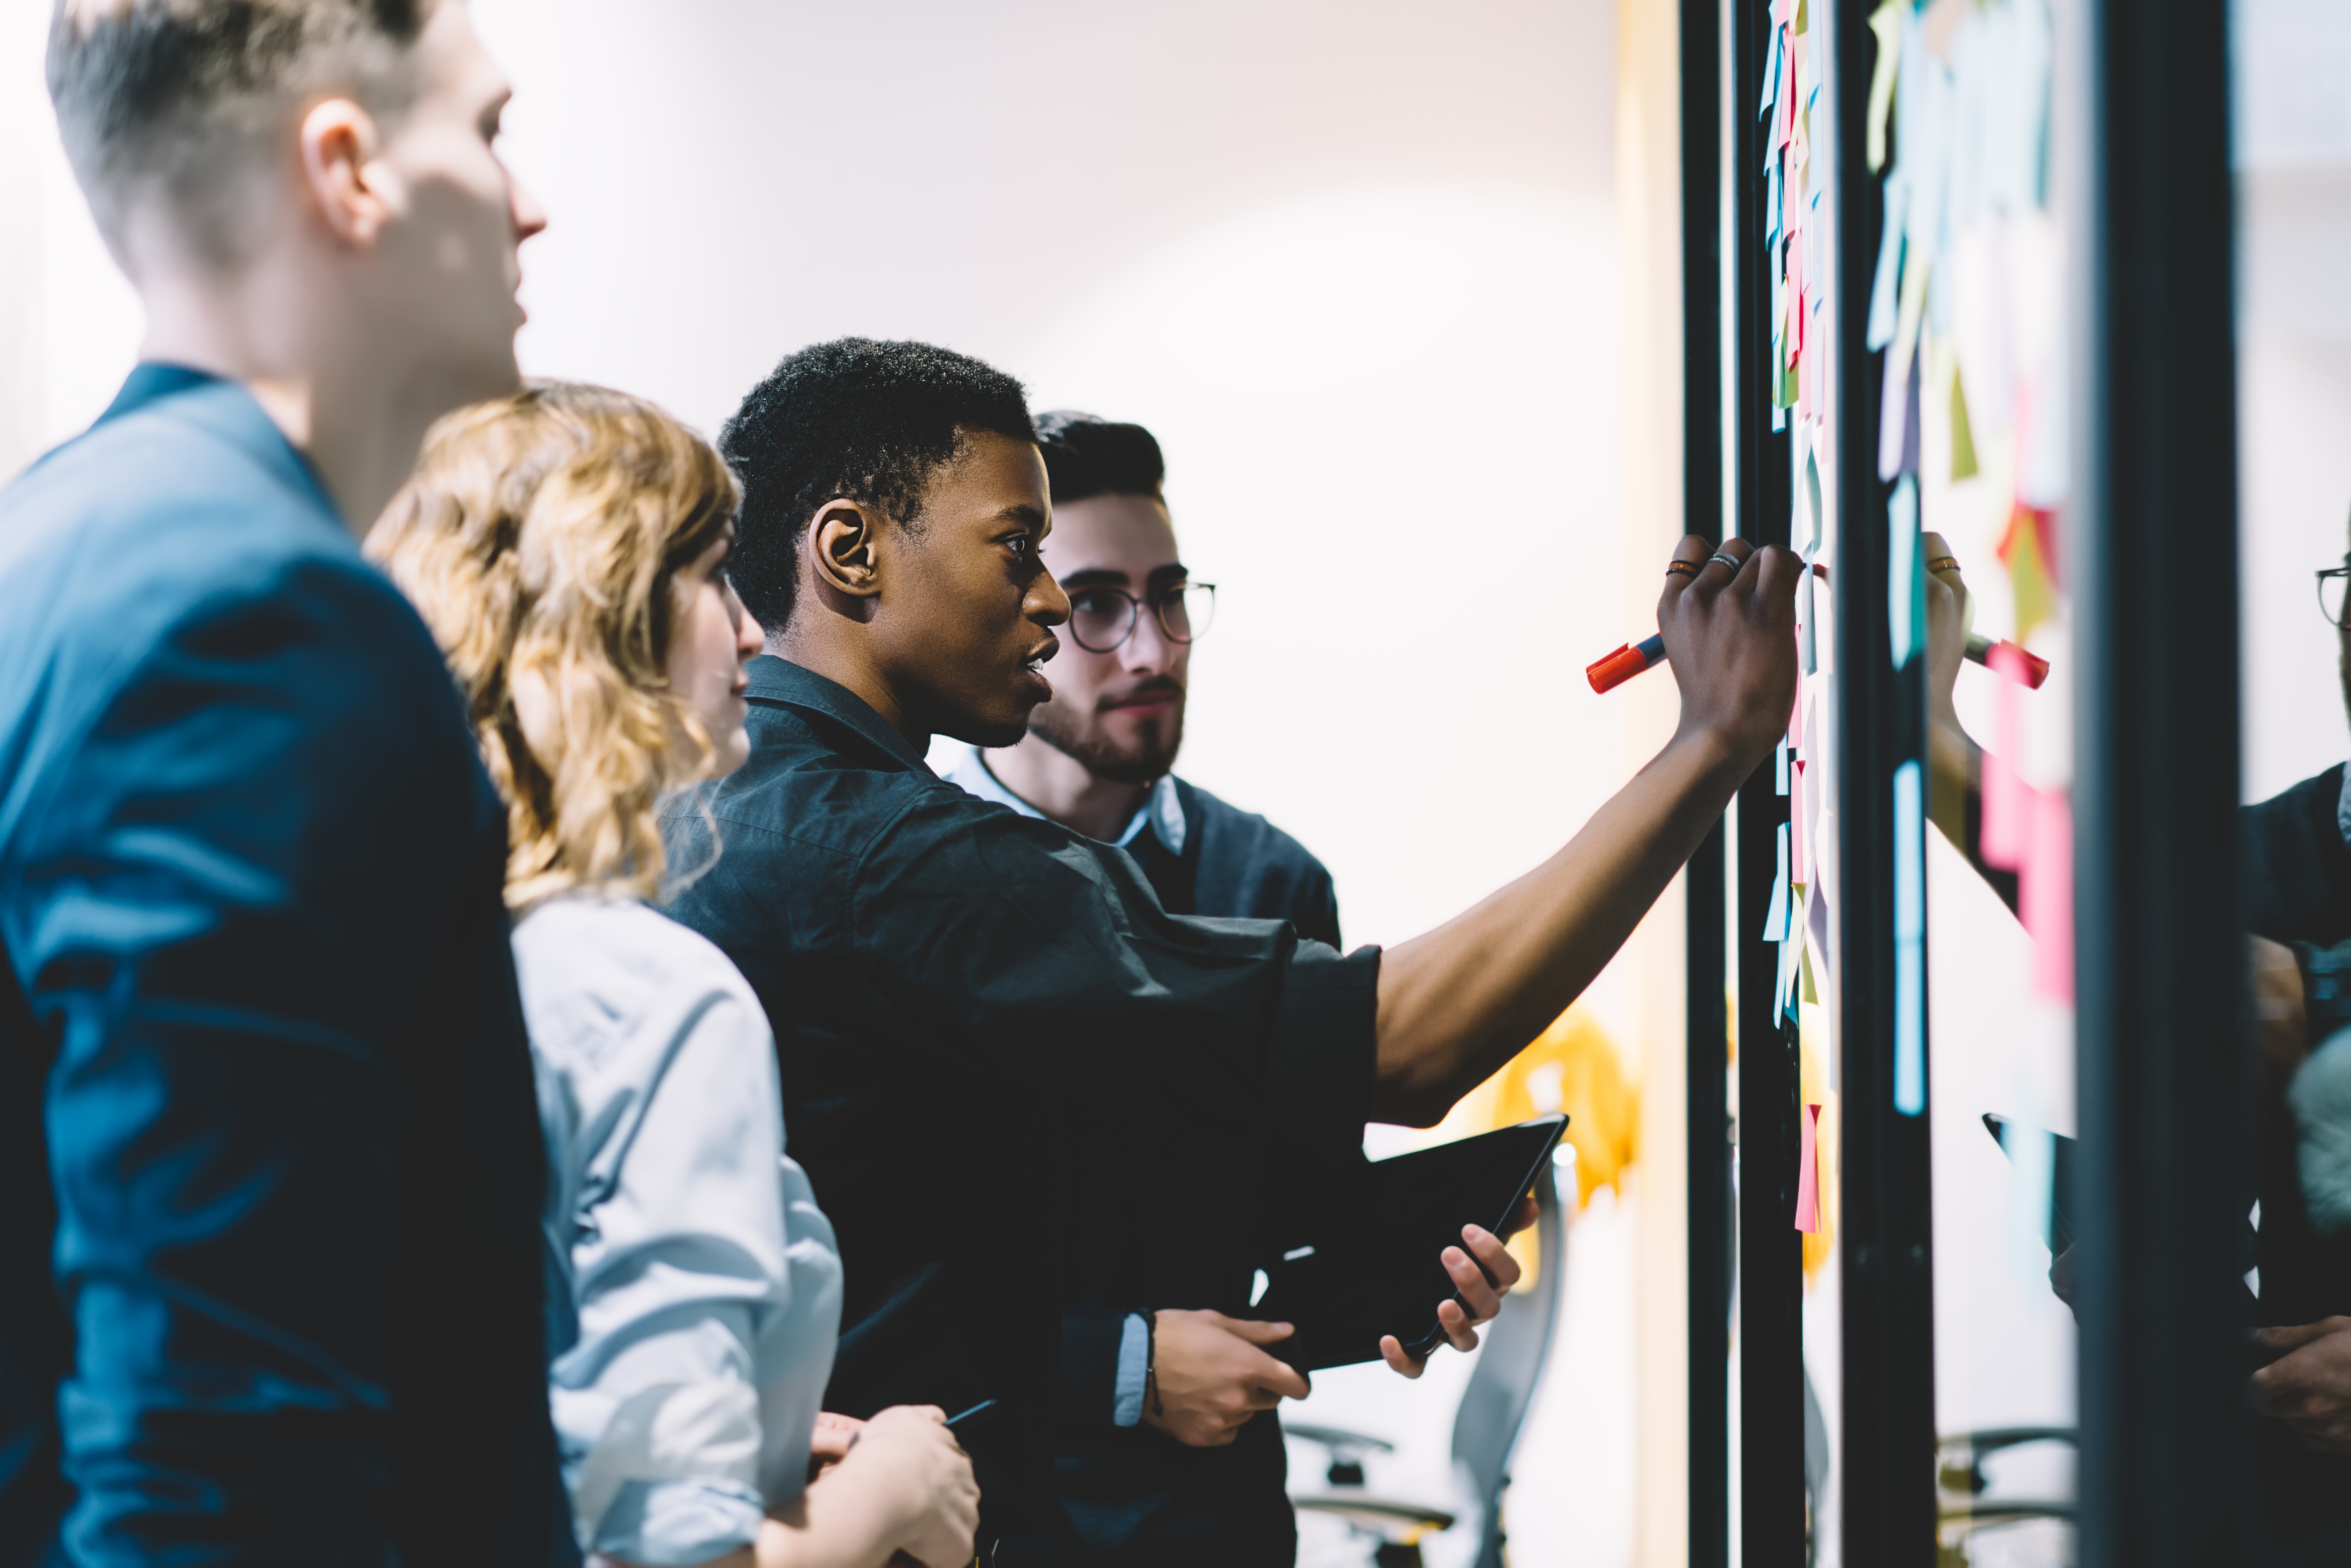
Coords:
pixel 568 545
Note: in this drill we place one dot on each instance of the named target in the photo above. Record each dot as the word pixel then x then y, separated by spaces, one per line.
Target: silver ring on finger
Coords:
pixel 1727 558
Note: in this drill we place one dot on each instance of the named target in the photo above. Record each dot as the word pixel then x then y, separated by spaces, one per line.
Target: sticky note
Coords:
pixel 1905 588
pixel 2044 894
pixel 1775 916
pixel 1886 23
pixel 1797 864
pixel 1812 494
pixel 2026 551
pixel 1909 853
pixel 1909 942
pixel 2006 834
pixel 1807 645
pixel 1883 301
pixel 1963 440
pixel 1790 967
pixel 1808 1172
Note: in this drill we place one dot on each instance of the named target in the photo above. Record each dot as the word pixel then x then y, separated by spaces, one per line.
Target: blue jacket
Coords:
pixel 270 1274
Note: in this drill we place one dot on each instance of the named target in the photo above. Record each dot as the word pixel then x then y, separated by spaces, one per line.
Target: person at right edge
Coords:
pixel 2294 872
pixel 997 1045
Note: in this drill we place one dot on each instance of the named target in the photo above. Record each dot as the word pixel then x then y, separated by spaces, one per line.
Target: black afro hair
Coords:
pixel 851 420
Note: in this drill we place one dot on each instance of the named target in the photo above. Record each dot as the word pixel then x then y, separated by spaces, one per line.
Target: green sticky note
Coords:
pixel 1963 438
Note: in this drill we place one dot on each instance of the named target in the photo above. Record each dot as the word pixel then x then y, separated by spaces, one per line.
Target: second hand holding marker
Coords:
pixel 1608 672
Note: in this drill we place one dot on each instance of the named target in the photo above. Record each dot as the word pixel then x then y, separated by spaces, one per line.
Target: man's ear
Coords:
pixel 843 541
pixel 348 182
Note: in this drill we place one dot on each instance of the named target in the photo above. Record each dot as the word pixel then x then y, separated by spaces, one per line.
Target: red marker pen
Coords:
pixel 1625 663
pixel 1605 674
pixel 2036 667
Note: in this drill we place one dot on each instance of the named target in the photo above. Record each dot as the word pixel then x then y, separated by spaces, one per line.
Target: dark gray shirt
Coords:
pixel 1013 1077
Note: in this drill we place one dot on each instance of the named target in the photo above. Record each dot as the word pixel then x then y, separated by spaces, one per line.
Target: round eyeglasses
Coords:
pixel 1103 619
pixel 2332 582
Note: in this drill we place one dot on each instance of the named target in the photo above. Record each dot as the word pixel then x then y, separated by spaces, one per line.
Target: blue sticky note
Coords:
pixel 1886 290
pixel 1775 918
pixel 1905 592
pixel 1910 941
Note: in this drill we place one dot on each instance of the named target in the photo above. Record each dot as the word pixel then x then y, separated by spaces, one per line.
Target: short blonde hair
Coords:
pixel 542 537
pixel 177 100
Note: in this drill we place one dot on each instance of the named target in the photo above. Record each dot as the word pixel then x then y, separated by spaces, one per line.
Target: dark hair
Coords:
pixel 171 97
pixel 1086 456
pixel 851 420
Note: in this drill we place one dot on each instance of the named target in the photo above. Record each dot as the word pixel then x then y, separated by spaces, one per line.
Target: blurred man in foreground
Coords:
pixel 271 1271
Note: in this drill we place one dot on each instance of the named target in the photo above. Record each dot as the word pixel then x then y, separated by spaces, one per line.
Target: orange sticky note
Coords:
pixel 1808 1178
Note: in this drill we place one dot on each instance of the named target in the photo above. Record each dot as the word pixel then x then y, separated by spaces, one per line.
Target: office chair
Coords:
pixel 1486 1429
pixel 1963 1511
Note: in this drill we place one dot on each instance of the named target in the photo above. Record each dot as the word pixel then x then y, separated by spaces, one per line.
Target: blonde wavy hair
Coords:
pixel 542 537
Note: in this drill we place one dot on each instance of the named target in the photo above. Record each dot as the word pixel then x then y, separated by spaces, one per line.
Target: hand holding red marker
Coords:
pixel 1614 669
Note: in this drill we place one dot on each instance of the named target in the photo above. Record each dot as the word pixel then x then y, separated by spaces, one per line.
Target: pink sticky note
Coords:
pixel 2007 835
pixel 1808 1178
pixel 1788 98
pixel 2044 894
pixel 1797 837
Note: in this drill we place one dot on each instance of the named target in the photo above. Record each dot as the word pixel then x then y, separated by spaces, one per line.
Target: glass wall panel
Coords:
pixel 2292 99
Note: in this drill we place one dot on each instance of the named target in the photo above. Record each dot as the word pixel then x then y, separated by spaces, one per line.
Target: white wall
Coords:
pixel 1349 262
pixel 2293 66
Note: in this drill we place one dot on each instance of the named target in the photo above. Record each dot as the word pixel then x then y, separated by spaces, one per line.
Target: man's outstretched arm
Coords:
pixel 1458 1002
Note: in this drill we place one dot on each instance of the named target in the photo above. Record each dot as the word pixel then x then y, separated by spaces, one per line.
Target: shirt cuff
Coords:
pixel 1133 1364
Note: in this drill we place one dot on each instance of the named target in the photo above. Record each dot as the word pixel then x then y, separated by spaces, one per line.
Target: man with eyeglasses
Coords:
pixel 1098 758
pixel 2295 865
pixel 2296 856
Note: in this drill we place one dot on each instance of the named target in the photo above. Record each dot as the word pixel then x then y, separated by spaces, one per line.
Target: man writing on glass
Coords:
pixel 1016 1079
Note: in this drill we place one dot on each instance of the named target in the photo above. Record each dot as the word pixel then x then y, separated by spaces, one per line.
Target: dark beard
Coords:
pixel 1151 760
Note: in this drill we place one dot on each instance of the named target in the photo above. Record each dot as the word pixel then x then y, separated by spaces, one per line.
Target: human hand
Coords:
pixel 1210 1376
pixel 832 1439
pixel 2280 1018
pixel 1479 1296
pixel 1730 634
pixel 2062 1269
pixel 1950 755
pixel 2309 1385
pixel 1951 610
pixel 915 1469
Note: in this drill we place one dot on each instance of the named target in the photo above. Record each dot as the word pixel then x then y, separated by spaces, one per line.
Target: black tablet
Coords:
pixel 1378 1269
pixel 2057 1226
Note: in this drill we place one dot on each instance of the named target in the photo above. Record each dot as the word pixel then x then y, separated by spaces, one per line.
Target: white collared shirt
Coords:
pixel 1161 810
